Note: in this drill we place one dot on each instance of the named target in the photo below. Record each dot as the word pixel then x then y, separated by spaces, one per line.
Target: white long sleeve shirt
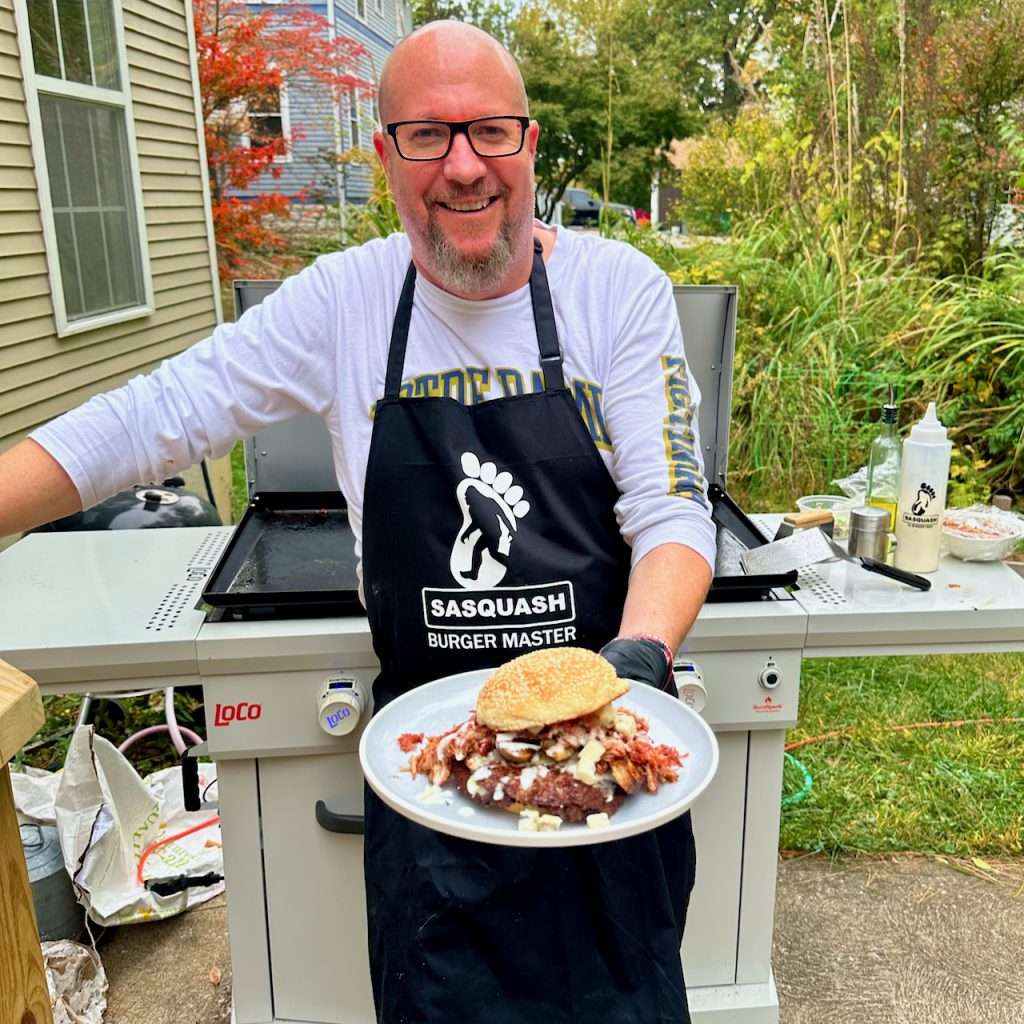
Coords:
pixel 319 344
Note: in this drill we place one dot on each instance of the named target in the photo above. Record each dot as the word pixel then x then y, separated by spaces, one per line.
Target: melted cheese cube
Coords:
pixel 549 823
pixel 585 767
pixel 528 821
pixel 597 820
pixel 625 724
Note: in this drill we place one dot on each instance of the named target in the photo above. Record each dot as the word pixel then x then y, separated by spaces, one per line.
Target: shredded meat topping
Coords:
pixel 627 763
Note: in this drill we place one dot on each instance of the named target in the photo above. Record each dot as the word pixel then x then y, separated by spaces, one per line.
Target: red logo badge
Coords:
pixel 225 714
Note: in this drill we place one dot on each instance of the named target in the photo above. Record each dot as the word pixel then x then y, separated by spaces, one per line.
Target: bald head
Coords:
pixel 445 50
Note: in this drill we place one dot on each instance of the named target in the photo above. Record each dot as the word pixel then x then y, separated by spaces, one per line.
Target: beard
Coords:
pixel 470 274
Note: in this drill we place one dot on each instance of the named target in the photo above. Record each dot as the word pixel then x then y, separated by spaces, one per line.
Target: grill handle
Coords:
pixel 331 821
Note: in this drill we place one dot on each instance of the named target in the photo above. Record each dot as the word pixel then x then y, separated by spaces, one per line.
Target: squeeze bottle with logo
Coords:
pixel 922 494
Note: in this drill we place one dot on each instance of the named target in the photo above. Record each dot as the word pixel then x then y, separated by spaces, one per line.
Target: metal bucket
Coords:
pixel 58 914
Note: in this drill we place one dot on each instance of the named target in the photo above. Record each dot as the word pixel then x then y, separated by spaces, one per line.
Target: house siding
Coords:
pixel 306 173
pixel 41 375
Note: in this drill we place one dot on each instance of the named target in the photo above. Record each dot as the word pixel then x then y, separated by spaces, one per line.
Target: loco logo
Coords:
pixel 225 714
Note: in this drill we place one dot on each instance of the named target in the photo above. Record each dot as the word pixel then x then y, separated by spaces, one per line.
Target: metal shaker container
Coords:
pixel 869 533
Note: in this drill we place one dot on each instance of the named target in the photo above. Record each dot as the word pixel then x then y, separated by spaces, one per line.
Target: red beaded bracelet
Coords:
pixel 670 657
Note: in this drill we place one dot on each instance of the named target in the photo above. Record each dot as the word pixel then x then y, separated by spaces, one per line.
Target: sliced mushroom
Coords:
pixel 558 752
pixel 517 751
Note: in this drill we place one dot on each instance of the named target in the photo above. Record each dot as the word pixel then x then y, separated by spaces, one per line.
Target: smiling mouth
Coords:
pixel 469 205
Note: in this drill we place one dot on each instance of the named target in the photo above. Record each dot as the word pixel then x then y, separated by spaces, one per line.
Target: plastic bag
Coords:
pixel 34 792
pixel 854 486
pixel 76 982
pixel 107 817
pixel 887 481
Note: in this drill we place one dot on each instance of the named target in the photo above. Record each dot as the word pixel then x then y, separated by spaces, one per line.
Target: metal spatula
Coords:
pixel 802 520
pixel 807 547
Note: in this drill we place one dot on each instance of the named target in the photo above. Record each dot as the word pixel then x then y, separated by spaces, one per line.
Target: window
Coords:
pixel 269 121
pixel 79 114
pixel 361 9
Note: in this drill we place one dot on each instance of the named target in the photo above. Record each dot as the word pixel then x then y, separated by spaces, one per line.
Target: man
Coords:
pixel 515 484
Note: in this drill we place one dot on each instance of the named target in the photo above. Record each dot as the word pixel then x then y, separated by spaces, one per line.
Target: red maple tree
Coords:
pixel 244 59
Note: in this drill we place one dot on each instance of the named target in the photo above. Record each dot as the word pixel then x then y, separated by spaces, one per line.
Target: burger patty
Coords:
pixel 555 793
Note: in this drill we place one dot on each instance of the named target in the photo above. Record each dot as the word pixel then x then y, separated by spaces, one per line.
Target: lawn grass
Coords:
pixel 239 483
pixel 950 790
pixel 956 791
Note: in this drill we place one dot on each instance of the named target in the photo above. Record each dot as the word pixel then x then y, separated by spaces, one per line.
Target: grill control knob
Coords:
pixel 690 684
pixel 339 705
pixel 771 675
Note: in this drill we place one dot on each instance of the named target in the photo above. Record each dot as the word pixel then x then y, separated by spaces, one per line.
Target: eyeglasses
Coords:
pixel 432 140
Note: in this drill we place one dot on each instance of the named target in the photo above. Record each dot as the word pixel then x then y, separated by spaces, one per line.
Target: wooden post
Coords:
pixel 23 995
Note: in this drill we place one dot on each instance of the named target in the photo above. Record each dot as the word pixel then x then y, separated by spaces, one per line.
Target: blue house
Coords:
pixel 312 168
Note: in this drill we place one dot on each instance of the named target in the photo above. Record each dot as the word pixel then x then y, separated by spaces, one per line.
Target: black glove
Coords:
pixel 644 659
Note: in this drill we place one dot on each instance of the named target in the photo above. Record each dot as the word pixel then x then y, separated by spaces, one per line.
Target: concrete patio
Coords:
pixel 902 940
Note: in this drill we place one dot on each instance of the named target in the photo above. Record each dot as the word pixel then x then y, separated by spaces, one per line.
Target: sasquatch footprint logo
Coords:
pixel 925 495
pixel 492 505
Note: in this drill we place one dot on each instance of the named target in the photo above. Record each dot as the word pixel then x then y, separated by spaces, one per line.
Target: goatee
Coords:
pixel 470 274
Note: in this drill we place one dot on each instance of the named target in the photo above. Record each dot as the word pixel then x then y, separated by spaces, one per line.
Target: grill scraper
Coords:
pixel 807 547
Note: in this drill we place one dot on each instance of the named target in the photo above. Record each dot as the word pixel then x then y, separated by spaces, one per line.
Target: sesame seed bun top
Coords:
pixel 548 686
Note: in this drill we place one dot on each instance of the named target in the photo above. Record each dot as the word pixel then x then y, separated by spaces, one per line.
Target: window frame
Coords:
pixel 119 99
pixel 283 112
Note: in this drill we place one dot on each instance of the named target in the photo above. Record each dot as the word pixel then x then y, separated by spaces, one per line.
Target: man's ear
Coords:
pixel 532 134
pixel 381 148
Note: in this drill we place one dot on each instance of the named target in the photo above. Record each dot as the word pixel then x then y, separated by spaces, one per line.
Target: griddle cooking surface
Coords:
pixel 298 551
pixel 289 552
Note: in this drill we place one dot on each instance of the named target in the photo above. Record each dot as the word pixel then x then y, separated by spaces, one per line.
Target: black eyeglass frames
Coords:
pixel 432 140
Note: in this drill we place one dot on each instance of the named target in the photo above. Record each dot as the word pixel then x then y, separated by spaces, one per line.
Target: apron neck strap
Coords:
pixel 400 335
pixel 544 321
pixel 543 318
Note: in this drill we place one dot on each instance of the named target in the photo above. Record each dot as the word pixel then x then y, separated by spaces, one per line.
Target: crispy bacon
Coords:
pixel 630 760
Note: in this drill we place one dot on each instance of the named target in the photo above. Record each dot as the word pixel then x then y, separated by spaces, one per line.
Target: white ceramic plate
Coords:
pixel 436 706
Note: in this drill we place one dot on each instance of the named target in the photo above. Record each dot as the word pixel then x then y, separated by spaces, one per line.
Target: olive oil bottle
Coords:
pixel 884 463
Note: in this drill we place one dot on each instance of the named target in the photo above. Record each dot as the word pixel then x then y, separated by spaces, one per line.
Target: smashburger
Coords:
pixel 545 741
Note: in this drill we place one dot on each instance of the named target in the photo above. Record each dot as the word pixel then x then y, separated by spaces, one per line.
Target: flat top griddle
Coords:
pixel 291 551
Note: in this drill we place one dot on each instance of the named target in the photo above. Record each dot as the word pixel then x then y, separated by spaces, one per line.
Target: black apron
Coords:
pixel 488 531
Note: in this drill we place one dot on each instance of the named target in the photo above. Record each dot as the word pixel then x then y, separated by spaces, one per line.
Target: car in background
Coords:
pixel 580 208
pixel 623 211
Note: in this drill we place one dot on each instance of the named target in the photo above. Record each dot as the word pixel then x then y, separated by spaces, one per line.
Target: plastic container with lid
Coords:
pixel 838 504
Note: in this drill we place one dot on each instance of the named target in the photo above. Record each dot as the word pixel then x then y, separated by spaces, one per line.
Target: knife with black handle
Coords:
pixel 883 569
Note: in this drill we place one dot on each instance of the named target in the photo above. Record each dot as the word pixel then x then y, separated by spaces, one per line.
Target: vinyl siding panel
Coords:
pixel 24 308
pixel 42 375
pixel 310 111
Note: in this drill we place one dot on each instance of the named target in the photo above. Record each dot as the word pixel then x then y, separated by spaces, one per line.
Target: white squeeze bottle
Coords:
pixel 922 495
